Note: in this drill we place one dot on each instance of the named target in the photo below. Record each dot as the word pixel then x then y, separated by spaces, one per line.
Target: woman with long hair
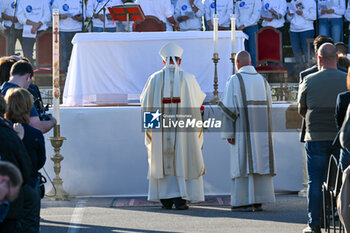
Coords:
pixel 19 102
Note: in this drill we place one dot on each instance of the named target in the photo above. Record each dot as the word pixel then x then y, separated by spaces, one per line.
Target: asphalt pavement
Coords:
pixel 95 215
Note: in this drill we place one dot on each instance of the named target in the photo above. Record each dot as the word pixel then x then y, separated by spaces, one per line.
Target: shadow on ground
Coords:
pixel 288 209
pixel 62 227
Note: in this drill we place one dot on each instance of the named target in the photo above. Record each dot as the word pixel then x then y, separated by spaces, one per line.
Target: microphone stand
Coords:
pixel 82 13
pixel 104 14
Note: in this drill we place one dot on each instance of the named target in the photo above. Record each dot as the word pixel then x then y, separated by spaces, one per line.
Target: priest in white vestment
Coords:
pixel 246 105
pixel 174 155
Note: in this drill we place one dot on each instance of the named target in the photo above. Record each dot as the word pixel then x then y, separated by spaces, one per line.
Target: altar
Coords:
pixel 112 68
pixel 105 154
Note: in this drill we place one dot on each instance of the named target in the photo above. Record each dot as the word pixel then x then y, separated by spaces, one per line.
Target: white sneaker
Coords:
pixel 314 229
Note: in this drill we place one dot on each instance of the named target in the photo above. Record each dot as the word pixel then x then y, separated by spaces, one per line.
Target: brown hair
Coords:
pixel 19 102
pixel 343 62
pixel 5 67
pixel 21 68
pixel 342 48
pixel 320 40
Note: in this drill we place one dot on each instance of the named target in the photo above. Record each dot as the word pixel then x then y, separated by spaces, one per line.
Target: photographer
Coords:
pixel 21 76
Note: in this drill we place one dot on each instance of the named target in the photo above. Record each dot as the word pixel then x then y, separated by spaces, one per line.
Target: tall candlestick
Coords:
pixel 233 33
pixel 56 63
pixel 57 190
pixel 216 28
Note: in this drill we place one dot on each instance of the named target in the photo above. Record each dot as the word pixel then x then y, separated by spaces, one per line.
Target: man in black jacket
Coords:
pixel 13 151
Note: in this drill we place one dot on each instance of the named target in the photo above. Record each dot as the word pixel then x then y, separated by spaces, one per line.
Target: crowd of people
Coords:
pixel 21 144
pixel 22 21
pixel 175 159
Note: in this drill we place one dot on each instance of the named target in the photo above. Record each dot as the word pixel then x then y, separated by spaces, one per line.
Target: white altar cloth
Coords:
pixel 105 154
pixel 109 68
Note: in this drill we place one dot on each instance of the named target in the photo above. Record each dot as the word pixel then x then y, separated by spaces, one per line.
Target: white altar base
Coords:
pixel 104 154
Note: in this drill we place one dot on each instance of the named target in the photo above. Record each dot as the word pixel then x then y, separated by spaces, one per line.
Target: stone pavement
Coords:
pixel 94 215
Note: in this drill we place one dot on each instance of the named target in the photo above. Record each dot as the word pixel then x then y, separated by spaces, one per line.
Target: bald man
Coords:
pixel 316 104
pixel 246 106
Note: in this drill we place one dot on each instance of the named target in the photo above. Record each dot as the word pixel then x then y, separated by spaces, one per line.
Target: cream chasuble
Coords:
pixel 174 156
pixel 246 105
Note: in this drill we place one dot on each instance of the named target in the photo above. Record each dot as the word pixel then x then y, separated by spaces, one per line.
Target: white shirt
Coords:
pixel 162 9
pixel 337 5
pixel 183 8
pixel 280 6
pixel 224 9
pixel 8 8
pixel 247 12
pixel 36 11
pixel 173 2
pixel 304 22
pixel 94 6
pixel 69 8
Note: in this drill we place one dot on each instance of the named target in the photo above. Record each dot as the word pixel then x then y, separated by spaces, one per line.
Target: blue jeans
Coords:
pixel 12 36
pixel 299 46
pixel 98 29
pixel 27 47
pixel 318 154
pixel 66 45
pixel 332 27
pixel 250 43
pixel 344 159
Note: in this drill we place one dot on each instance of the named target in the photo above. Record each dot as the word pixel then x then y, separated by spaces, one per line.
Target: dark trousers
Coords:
pixel 12 36
pixel 168 203
pixel 31 220
pixel 8 226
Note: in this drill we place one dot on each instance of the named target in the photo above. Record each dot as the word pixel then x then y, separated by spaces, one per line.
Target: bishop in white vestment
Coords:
pixel 174 155
pixel 246 105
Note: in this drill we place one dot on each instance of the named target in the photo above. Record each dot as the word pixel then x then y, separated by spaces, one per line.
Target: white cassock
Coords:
pixel 252 157
pixel 174 156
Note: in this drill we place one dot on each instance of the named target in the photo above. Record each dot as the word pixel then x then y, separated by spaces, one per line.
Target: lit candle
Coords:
pixel 233 33
pixel 216 28
pixel 56 64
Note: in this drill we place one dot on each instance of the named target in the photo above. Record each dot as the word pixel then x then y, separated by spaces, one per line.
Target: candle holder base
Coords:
pixel 57 192
pixel 215 59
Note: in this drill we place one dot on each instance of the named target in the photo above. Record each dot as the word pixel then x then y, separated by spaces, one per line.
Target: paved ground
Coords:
pixel 94 215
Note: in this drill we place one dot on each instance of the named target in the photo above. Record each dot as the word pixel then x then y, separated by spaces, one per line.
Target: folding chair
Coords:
pixel 330 191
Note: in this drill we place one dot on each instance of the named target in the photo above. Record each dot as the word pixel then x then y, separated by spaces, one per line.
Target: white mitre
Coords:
pixel 168 51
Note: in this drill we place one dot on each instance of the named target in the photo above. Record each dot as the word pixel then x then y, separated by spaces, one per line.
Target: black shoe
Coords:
pixel 182 207
pixel 180 203
pixel 167 203
pixel 257 207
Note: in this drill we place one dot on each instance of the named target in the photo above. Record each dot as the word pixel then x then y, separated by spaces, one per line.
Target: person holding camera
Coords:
pixel 19 103
pixel 21 76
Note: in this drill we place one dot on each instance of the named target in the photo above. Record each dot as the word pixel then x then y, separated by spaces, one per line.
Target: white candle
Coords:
pixel 233 33
pixel 56 64
pixel 216 28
